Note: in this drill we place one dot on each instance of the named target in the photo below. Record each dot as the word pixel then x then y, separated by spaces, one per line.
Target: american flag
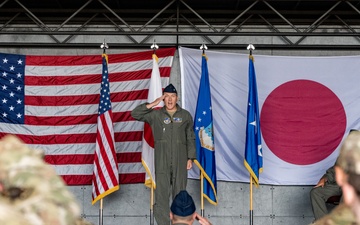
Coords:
pixel 106 173
pixel 51 103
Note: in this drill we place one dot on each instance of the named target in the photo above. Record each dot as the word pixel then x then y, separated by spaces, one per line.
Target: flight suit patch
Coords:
pixel 177 120
pixel 167 120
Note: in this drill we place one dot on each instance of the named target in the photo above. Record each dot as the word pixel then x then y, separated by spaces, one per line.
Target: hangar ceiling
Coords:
pixel 290 24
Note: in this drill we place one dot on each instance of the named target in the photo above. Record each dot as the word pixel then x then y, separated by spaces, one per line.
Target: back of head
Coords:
pixel 349 159
pixel 183 205
pixel 31 186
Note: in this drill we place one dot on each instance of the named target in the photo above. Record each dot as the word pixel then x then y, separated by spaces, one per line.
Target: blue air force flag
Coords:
pixel 253 152
pixel 203 126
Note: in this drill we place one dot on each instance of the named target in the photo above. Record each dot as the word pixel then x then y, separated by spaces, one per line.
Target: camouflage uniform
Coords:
pixel 349 158
pixel 341 215
pixel 32 188
pixel 9 216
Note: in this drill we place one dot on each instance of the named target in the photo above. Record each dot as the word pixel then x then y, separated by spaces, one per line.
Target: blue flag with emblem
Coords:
pixel 203 126
pixel 253 151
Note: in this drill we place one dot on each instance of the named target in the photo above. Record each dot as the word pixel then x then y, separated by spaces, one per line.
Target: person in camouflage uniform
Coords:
pixel 32 190
pixel 9 216
pixel 347 174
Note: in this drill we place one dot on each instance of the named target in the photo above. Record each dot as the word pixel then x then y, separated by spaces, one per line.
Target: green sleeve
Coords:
pixel 190 139
pixel 141 113
pixel 330 175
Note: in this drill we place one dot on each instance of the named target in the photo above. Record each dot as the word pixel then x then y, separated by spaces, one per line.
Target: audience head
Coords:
pixel 182 208
pixel 348 167
pixel 31 187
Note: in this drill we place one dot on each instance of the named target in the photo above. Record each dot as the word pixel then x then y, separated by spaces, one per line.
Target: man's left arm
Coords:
pixel 190 142
pixel 330 175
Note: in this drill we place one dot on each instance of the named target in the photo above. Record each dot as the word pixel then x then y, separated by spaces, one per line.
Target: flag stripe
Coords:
pixel 107 156
pixel 74 138
pixel 87 148
pixel 87 109
pixel 72 120
pixel 44 80
pixel 68 71
pixel 86 179
pixel 76 90
pixel 99 177
pixel 78 159
pixel 70 129
pixel 78 169
pixel 43 61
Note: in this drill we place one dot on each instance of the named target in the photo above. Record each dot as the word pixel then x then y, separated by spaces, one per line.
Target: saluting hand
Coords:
pixel 156 102
pixel 202 220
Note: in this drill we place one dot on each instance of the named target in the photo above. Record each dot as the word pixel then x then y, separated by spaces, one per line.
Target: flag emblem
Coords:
pixel 206 137
pixel 167 120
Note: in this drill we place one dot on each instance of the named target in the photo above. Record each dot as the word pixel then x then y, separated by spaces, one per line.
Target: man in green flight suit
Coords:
pixel 174 139
pixel 325 188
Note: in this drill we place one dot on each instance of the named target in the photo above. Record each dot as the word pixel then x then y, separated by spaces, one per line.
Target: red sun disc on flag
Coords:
pixel 302 122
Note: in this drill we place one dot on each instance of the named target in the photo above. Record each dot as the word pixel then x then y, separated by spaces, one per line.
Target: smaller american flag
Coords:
pixel 106 173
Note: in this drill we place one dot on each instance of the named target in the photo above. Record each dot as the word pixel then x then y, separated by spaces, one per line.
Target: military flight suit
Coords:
pixel 319 195
pixel 174 144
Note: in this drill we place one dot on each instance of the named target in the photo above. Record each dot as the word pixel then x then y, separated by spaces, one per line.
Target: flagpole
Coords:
pixel 203 47
pixel 251 47
pixel 152 205
pixel 104 46
pixel 202 193
pixel 251 202
pixel 154 46
pixel 101 216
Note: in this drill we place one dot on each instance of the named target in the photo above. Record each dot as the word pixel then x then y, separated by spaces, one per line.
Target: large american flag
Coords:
pixel 51 102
